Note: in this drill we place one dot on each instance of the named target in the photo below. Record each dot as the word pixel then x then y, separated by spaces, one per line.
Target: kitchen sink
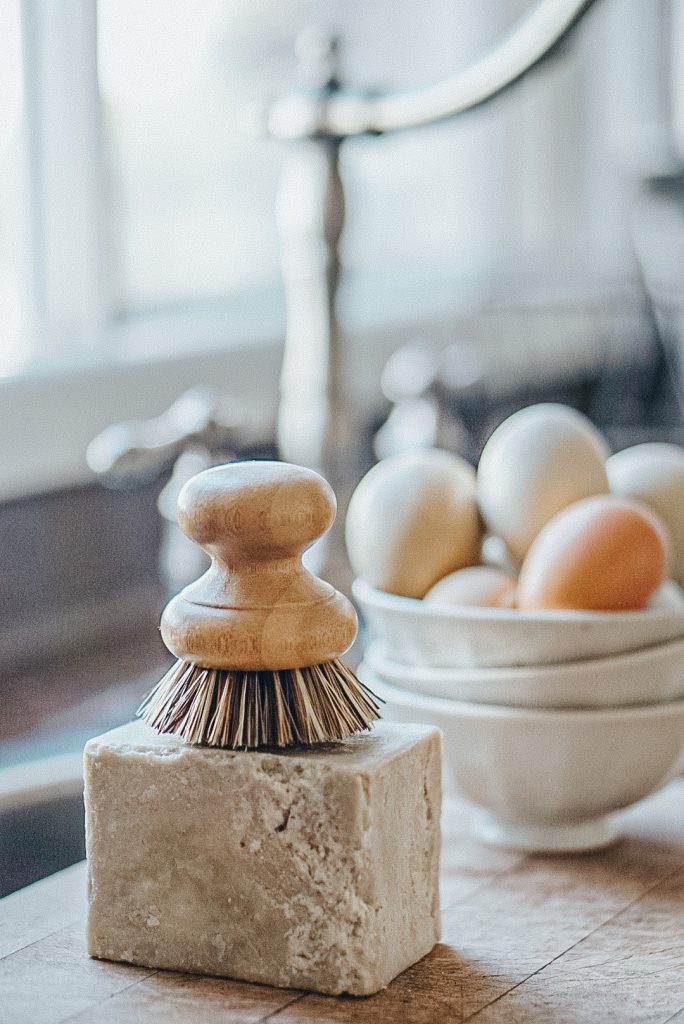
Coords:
pixel 41 819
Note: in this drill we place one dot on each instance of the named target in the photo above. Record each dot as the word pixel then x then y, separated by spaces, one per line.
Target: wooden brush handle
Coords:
pixel 257 607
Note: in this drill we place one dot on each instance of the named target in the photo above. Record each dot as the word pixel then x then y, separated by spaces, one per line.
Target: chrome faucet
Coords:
pixel 315 422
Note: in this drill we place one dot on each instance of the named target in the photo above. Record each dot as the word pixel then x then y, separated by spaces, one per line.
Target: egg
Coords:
pixel 412 520
pixel 669 597
pixel 495 554
pixel 479 586
pixel 654 473
pixel 537 462
pixel 600 554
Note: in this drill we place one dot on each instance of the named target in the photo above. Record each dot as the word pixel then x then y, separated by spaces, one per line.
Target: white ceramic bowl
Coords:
pixel 548 780
pixel 421 634
pixel 646 676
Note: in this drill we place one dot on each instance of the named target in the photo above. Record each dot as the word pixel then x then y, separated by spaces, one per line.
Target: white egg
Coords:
pixel 478 586
pixel 654 473
pixel 496 554
pixel 412 520
pixel 537 462
pixel 668 597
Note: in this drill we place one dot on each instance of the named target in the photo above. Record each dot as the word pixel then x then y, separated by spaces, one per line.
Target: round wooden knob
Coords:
pixel 257 607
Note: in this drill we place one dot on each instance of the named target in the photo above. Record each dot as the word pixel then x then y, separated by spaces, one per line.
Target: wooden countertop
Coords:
pixel 591 938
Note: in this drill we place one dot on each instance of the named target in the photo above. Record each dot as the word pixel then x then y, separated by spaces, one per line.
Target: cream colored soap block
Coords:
pixel 314 869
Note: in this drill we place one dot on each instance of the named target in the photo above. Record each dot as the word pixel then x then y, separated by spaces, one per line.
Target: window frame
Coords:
pixel 96 369
pixel 70 300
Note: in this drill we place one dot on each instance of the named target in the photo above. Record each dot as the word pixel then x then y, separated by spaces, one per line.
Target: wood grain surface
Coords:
pixel 257 607
pixel 594 938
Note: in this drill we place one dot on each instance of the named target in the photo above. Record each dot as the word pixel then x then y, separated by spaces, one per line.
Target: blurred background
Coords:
pixel 531 249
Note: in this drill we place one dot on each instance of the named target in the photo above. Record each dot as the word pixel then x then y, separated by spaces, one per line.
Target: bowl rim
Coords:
pixel 366 594
pixel 470 709
pixel 516 673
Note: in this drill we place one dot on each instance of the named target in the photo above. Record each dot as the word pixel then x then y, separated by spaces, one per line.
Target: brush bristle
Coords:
pixel 243 710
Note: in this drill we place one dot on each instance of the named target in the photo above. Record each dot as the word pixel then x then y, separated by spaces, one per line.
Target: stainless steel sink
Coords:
pixel 41 819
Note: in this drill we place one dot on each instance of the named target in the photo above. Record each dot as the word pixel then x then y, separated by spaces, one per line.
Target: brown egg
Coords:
pixel 480 586
pixel 601 554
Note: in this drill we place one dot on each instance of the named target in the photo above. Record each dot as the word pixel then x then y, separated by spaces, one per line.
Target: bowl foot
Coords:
pixel 583 836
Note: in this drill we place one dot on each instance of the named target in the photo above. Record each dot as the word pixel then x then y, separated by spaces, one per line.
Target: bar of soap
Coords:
pixel 314 869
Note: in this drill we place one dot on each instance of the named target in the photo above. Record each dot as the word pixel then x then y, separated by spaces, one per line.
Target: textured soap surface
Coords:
pixel 313 869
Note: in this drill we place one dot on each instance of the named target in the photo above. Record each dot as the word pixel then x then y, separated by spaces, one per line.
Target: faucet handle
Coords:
pixel 143 449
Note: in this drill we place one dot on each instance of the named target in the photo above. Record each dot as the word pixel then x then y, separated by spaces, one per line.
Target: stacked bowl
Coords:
pixel 552 720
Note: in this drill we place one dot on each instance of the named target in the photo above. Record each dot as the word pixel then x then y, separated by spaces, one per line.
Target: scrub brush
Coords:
pixel 258 637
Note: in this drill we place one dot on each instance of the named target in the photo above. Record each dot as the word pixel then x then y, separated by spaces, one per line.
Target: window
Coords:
pixel 191 192
pixel 137 228
pixel 12 199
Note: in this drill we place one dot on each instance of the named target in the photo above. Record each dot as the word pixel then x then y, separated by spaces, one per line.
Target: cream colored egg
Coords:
pixel 412 520
pixel 494 553
pixel 668 597
pixel 654 473
pixel 479 586
pixel 537 462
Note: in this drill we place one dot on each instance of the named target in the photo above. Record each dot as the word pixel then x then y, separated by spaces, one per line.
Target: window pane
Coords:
pixel 193 195
pixel 12 199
